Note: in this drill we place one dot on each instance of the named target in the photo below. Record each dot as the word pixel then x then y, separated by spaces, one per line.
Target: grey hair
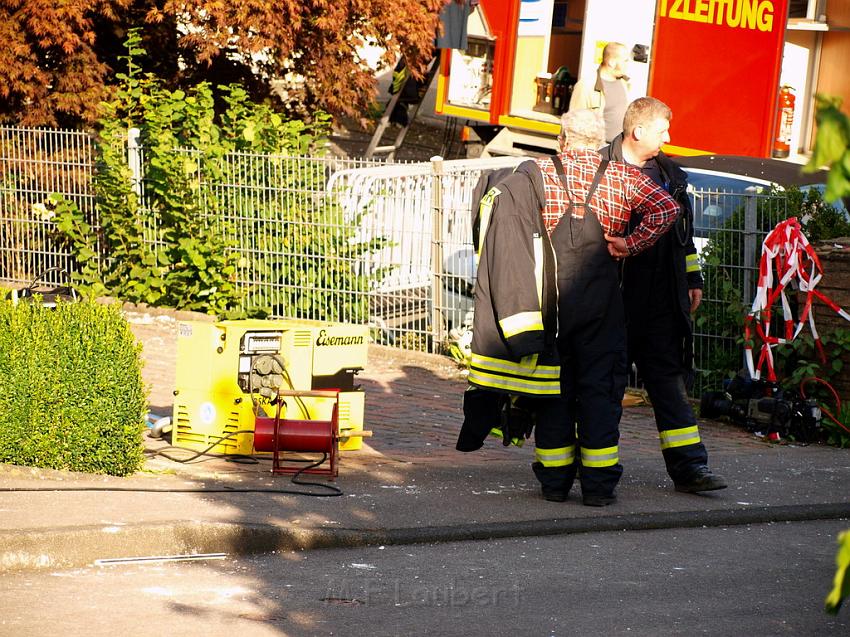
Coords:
pixel 583 129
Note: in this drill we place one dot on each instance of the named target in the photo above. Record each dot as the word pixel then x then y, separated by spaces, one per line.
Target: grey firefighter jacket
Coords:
pixel 516 322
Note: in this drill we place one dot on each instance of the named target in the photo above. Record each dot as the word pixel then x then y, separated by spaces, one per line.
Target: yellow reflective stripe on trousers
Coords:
pixel 510 384
pixel 558 457
pixel 679 437
pixel 521 322
pixel 692 263
pixel 607 457
pixel 527 366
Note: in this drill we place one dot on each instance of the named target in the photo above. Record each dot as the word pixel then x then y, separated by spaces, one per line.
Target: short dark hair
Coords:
pixel 642 111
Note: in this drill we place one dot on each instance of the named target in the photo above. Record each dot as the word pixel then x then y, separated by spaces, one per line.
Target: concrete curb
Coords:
pixel 22 550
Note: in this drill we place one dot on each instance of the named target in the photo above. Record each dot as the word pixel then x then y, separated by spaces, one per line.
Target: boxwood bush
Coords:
pixel 71 390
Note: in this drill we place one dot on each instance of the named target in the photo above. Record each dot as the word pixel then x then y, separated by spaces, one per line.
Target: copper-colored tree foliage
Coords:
pixel 58 59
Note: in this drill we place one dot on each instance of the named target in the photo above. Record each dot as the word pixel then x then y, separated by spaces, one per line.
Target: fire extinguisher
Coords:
pixel 784 121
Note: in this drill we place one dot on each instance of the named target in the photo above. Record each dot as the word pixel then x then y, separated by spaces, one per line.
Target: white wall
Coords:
pixel 627 21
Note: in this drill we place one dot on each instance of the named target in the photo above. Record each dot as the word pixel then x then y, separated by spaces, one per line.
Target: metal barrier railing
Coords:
pixel 423 275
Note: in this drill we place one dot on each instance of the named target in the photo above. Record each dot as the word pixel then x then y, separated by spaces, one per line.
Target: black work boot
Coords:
pixel 554 495
pixel 555 482
pixel 702 479
pixel 594 500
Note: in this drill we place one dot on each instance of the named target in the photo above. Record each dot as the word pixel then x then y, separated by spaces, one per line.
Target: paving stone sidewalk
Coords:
pixel 413 401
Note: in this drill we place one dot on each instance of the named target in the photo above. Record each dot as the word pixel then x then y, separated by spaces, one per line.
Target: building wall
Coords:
pixel 836 285
pixel 833 78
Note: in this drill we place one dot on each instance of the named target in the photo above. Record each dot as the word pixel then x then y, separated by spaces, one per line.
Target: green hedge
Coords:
pixel 71 391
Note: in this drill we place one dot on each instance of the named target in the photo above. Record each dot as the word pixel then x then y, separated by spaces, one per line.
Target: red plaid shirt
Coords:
pixel 621 190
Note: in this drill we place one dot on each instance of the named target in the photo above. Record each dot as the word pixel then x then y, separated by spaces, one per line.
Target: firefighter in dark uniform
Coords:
pixel 662 287
pixel 589 202
pixel 549 333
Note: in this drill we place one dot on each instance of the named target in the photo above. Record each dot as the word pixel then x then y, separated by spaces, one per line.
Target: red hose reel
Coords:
pixel 281 434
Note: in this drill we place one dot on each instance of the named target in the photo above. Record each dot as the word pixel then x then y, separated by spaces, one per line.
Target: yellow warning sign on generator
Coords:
pixel 229 372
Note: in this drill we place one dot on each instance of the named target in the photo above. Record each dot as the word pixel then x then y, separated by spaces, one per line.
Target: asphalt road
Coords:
pixel 757 580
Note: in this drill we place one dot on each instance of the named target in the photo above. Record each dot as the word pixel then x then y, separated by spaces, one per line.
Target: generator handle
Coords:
pixel 310 393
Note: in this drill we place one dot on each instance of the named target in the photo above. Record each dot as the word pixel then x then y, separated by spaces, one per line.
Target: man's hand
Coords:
pixel 616 246
pixel 695 295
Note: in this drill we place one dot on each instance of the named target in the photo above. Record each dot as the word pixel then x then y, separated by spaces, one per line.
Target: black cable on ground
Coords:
pixel 333 491
pixel 295 479
pixel 206 452
pixel 243 458
pixel 229 457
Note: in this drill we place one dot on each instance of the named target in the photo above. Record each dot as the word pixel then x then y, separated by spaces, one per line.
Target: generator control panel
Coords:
pixel 261 368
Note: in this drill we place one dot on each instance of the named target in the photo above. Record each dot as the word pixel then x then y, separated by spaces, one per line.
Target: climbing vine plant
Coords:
pixel 166 240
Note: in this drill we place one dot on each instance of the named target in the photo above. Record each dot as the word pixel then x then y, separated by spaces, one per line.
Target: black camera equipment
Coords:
pixel 763 407
pixel 47 292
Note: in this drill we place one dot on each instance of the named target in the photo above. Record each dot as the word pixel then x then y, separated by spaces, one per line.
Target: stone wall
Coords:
pixel 835 260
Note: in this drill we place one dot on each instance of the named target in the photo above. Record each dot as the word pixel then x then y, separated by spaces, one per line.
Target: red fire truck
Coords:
pixel 719 64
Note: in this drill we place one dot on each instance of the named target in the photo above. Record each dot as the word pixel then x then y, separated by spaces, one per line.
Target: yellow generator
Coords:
pixel 229 372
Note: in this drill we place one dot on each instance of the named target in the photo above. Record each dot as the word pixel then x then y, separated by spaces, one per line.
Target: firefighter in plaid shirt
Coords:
pixel 588 206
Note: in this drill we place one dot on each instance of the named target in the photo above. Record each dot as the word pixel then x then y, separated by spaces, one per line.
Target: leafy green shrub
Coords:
pixel 799 359
pixel 799 363
pixel 71 391
pixel 832 146
pixel 838 433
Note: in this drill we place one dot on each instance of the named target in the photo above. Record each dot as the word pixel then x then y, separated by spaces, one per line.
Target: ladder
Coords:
pixel 390 149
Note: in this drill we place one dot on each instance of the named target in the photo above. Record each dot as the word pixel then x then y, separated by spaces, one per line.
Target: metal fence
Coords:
pixel 389 244
pixel 34 163
pixel 728 231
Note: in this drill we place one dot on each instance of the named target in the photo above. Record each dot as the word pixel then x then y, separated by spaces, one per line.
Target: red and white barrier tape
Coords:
pixel 787 252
